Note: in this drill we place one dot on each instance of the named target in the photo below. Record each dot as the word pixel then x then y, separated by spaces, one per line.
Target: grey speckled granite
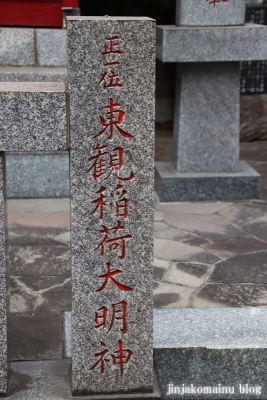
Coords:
pixel 33 116
pixel 206 128
pixel 37 175
pixel 211 347
pixel 210 12
pixel 3 306
pixel 33 74
pixel 17 46
pixel 51 47
pixel 192 186
pixel 129 157
pixel 196 44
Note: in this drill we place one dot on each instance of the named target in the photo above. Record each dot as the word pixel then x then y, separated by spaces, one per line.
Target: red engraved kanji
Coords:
pixel 105 163
pixel 115 118
pixel 110 80
pixel 112 46
pixel 214 2
pixel 109 276
pixel 122 357
pixel 102 360
pixel 114 243
pixel 119 313
pixel 119 204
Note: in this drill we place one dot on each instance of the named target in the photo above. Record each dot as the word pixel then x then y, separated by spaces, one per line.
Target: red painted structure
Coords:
pixel 34 12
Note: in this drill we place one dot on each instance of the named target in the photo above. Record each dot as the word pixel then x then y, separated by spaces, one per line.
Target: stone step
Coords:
pixel 33 74
pixel 207 348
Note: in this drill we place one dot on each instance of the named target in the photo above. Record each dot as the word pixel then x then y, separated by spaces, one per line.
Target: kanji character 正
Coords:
pixel 115 118
pixel 110 80
pixel 119 313
pixel 109 276
pixel 112 46
pixel 106 163
pixel 114 243
pixel 214 2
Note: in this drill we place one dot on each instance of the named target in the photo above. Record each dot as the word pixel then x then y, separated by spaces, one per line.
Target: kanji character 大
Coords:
pixel 112 46
pixel 114 243
pixel 109 276
pixel 214 2
pixel 114 119
pixel 119 313
pixel 106 163
pixel 110 80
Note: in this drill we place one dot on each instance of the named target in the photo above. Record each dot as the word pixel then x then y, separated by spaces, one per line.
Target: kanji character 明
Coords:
pixel 114 243
pixel 120 358
pixel 109 276
pixel 105 163
pixel 214 2
pixel 110 80
pixel 112 46
pixel 119 204
pixel 114 119
pixel 119 313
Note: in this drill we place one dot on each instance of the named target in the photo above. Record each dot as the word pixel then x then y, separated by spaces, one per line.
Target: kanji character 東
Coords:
pixel 119 313
pixel 114 243
pixel 109 276
pixel 110 80
pixel 106 163
pixel 115 118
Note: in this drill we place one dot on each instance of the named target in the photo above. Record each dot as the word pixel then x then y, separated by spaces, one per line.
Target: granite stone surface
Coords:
pixel 197 44
pixel 174 186
pixel 206 119
pixel 111 168
pixel 210 12
pixel 51 47
pixel 33 74
pixel 3 305
pixel 33 116
pixel 37 175
pixel 17 46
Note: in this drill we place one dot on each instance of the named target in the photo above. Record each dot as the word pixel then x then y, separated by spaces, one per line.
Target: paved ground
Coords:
pixel 206 255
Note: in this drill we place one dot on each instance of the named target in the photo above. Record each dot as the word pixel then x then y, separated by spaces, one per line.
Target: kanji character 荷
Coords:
pixel 114 243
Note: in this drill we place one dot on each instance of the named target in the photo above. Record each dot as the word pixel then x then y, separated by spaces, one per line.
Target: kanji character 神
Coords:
pixel 119 358
pixel 105 163
pixel 109 276
pixel 115 118
pixel 214 2
pixel 119 313
pixel 114 243
pixel 119 204
pixel 110 80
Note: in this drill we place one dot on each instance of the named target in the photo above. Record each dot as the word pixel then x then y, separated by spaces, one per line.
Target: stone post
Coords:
pixel 111 86
pixel 208 43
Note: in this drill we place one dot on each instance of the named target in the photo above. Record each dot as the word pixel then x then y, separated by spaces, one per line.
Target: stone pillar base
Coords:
pixel 173 186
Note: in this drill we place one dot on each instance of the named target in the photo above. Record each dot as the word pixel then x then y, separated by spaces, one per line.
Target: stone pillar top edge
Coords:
pixel 109 18
pixel 40 87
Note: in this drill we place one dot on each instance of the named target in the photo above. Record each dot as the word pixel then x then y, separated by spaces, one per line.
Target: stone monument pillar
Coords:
pixel 207 44
pixel 111 88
